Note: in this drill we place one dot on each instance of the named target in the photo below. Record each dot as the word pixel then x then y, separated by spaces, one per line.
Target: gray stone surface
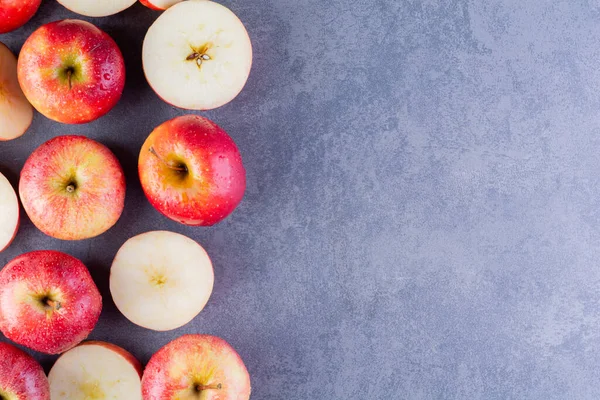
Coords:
pixel 422 216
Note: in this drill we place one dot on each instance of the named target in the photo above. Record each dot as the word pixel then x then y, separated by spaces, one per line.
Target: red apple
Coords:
pixel 196 367
pixel 96 370
pixel 21 377
pixel 48 301
pixel 71 71
pixel 192 171
pixel 15 13
pixel 72 188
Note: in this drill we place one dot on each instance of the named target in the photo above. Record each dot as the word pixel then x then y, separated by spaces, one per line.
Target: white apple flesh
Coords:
pixel 161 280
pixel 97 8
pixel 96 370
pixel 9 213
pixel 16 113
pixel 197 55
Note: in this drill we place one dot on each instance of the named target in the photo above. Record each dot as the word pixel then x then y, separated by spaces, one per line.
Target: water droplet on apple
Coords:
pixel 107 77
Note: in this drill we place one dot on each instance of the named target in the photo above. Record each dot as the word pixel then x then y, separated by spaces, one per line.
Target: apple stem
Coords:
pixel 200 388
pixel 170 165
pixel 69 75
pixel 70 188
pixel 53 304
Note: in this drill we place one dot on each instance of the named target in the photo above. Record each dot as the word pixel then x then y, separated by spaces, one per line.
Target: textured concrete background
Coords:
pixel 422 218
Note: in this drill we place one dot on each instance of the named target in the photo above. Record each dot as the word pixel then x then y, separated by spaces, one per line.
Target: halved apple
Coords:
pixel 197 55
pixel 97 8
pixel 161 280
pixel 96 370
pixel 9 213
pixel 16 113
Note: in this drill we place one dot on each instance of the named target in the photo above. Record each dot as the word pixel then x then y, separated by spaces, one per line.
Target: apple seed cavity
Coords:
pixel 200 55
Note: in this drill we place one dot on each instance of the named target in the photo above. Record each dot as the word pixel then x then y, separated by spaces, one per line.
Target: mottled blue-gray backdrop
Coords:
pixel 422 218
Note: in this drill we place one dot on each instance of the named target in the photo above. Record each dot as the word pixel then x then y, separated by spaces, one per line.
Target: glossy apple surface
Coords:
pixel 161 280
pixel 192 171
pixel 9 213
pixel 21 376
pixel 15 13
pixel 71 71
pixel 72 188
pixel 96 370
pixel 16 113
pixel 196 367
pixel 48 301
pixel 197 55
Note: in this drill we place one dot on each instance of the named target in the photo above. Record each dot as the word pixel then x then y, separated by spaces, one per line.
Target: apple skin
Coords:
pixel 214 180
pixel 150 5
pixel 15 13
pixel 180 367
pixel 71 71
pixel 92 208
pixel 48 301
pixel 21 377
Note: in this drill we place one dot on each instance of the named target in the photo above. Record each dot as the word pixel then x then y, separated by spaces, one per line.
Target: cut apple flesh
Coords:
pixel 161 280
pixel 97 8
pixel 16 113
pixel 197 55
pixel 94 371
pixel 159 4
pixel 9 213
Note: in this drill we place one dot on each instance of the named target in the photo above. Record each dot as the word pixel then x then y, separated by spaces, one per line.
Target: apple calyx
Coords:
pixel 179 167
pixel 200 55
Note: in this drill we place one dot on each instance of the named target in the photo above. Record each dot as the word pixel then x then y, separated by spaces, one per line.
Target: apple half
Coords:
pixel 9 213
pixel 96 370
pixel 159 5
pixel 197 55
pixel 97 8
pixel 16 113
pixel 161 280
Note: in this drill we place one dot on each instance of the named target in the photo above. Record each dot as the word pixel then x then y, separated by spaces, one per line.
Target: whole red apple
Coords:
pixel 71 71
pixel 15 13
pixel 21 377
pixel 48 301
pixel 72 188
pixel 192 171
pixel 196 367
